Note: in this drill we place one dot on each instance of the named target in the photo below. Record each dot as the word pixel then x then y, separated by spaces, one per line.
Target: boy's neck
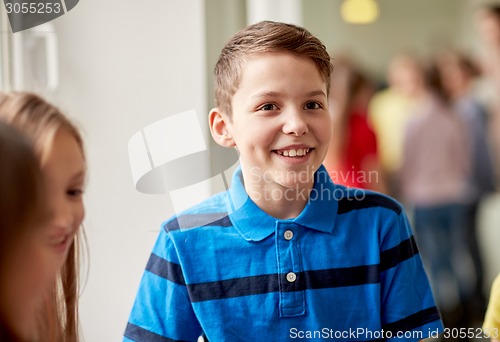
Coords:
pixel 278 201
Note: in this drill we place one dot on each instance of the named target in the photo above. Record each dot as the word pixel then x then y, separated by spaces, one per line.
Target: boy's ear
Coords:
pixel 220 128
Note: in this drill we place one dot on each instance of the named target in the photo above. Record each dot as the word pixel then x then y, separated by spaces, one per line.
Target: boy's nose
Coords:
pixel 295 123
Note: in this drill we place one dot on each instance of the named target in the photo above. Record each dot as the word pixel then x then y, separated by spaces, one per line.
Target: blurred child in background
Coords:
pixel 488 22
pixel 458 73
pixel 352 158
pixel 389 111
pixel 59 150
pixel 434 181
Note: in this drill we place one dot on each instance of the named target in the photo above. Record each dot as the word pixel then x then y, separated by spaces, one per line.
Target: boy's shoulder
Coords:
pixel 350 199
pixel 211 211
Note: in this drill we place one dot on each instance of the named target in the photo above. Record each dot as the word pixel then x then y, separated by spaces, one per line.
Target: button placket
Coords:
pixel 292 294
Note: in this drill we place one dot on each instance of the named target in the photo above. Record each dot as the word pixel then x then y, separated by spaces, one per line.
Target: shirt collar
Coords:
pixel 255 225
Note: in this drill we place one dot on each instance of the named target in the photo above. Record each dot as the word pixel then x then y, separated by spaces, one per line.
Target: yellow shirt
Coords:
pixel 389 112
pixel 491 325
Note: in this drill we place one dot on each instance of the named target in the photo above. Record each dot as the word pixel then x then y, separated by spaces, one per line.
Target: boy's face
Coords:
pixel 280 122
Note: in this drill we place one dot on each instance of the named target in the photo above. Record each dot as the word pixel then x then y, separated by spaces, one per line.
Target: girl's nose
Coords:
pixel 61 217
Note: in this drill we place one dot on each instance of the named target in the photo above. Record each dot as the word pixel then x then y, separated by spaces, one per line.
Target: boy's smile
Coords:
pixel 280 122
pixel 294 151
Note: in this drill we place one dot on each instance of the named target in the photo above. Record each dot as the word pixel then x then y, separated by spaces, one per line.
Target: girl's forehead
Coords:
pixel 63 145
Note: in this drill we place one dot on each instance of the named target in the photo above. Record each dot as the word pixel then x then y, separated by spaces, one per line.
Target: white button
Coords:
pixel 291 277
pixel 288 235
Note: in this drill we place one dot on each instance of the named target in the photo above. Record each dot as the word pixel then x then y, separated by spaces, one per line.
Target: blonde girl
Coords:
pixel 59 149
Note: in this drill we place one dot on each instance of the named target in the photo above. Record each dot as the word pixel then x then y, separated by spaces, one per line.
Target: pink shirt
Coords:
pixel 436 156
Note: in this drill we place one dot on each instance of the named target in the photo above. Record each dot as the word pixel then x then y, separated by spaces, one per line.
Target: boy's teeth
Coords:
pixel 293 153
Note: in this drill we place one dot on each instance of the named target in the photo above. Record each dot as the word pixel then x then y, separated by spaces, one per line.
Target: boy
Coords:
pixel 284 253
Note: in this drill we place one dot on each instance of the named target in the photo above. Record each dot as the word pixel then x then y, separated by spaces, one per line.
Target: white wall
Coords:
pixel 125 64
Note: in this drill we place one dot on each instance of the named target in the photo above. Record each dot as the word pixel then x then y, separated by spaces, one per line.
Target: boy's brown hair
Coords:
pixel 262 37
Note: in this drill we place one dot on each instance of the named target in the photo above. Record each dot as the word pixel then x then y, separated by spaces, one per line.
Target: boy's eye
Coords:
pixel 268 106
pixel 313 105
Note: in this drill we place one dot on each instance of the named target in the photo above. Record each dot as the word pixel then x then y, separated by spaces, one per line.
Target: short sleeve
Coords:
pixel 162 310
pixel 408 309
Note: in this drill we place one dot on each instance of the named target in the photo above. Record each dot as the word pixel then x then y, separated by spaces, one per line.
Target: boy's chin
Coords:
pixel 299 174
pixel 296 180
pixel 288 178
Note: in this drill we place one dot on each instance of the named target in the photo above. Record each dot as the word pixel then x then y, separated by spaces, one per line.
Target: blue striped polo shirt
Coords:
pixel 346 269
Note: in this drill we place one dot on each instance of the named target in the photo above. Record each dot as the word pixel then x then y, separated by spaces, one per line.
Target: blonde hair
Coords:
pixel 39 121
pixel 264 37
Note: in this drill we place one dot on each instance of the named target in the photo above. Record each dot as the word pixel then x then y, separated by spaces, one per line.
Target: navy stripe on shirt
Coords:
pixel 413 321
pixel 165 269
pixel 319 279
pixel 236 287
pixel 340 277
pixel 139 334
pixel 348 204
pixel 393 256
